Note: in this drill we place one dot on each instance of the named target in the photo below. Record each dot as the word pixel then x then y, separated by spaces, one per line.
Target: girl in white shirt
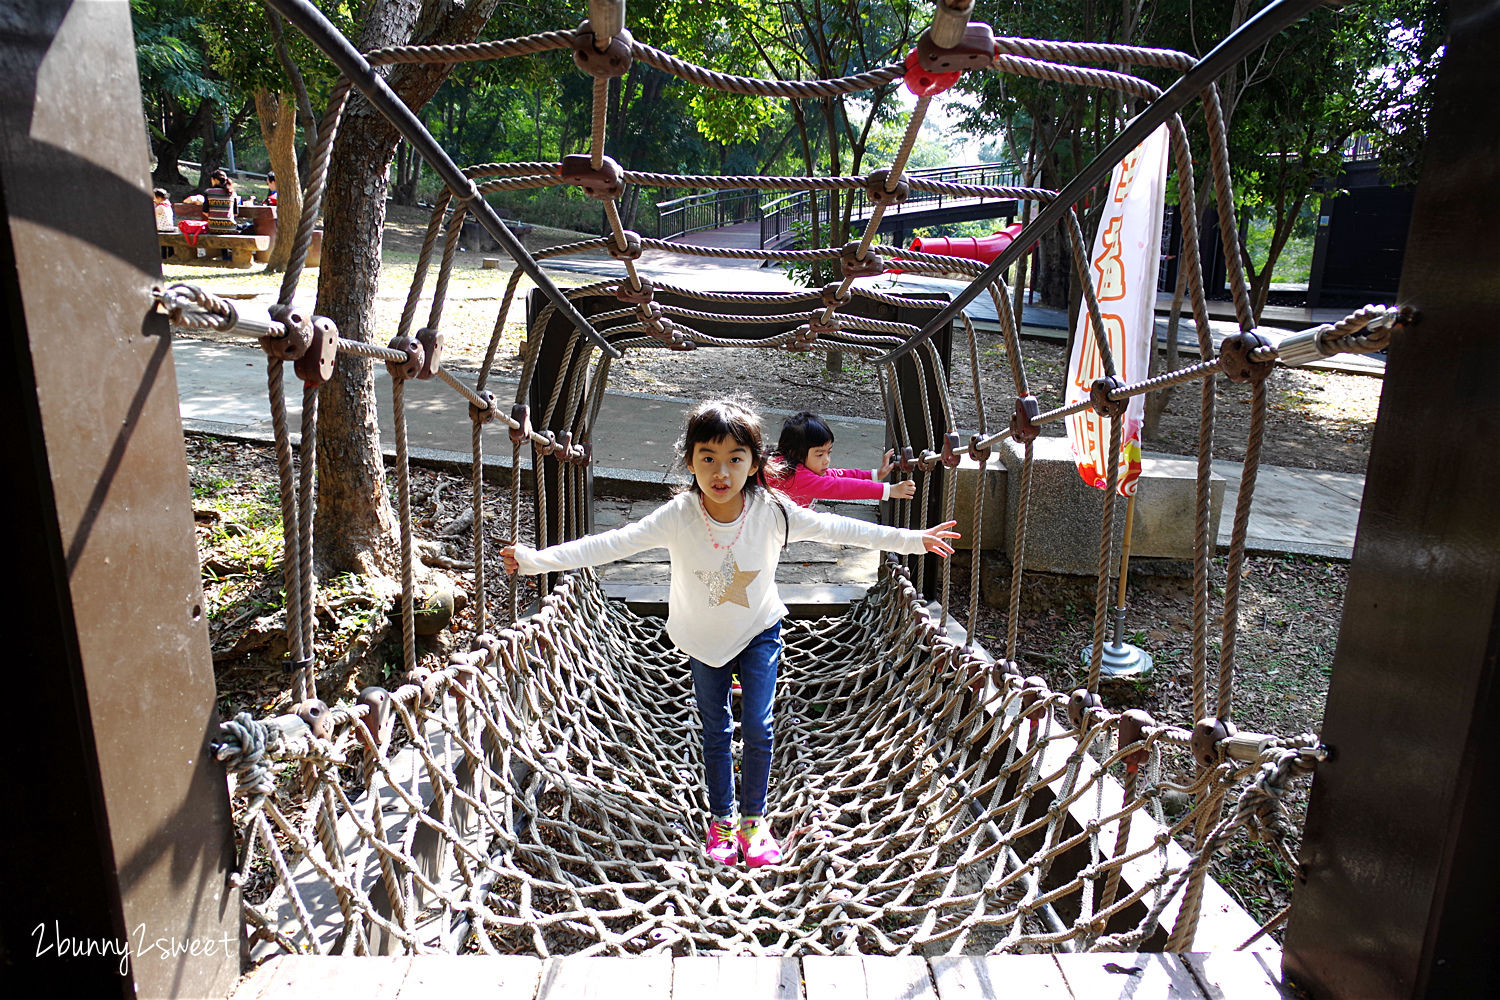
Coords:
pixel 725 534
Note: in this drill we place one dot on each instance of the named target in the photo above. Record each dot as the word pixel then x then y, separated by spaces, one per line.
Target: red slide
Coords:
pixel 981 248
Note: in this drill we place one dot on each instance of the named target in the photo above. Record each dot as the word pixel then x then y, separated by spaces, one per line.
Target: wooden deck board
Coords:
pixel 1144 976
pixel 451 977
pixel 1241 975
pixel 1028 976
pixel 606 978
pixel 736 978
pixel 867 977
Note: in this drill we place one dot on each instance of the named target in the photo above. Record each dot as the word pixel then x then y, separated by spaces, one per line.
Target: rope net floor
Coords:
pixel 542 792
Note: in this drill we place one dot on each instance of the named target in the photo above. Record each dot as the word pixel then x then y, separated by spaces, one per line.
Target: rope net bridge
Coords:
pixel 541 792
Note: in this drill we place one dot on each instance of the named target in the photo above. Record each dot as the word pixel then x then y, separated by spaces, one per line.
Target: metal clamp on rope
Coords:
pixel 292 666
pixel 631 250
pixel 563 449
pixel 1133 726
pixel 602 184
pixel 979 453
pixel 1207 735
pixel 1235 359
pixel 832 296
pixel 854 266
pixel 676 339
pixel 432 351
pixel 646 293
pixel 1099 397
pixel 602 62
pixel 974 49
pixel 650 315
pixel 1023 425
pixel 521 414
pixel 1080 703
pixel 412 348
pixel 928 460
pixel 488 413
pixel 879 194
pixel 315 713
pixel 428 681
pixel 316 364
pixel 801 341
pixel 951 444
pixel 548 444
pixel 817 325
pixel 908 460
pixel 296 333
pixel 377 704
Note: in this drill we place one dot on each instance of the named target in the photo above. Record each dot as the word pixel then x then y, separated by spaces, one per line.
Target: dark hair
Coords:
pixel 270 175
pixel 724 418
pixel 801 433
pixel 158 192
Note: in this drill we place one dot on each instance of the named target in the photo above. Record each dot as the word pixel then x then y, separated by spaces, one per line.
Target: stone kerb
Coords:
pixel 992 526
pixel 1063 528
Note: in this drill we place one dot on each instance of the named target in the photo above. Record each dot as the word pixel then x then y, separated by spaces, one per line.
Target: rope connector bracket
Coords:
pixel 644 294
pixel 816 325
pixel 432 351
pixel 1133 726
pixel 1207 736
pixel 928 460
pixel 877 191
pixel 377 703
pixel 408 369
pixel 315 713
pixel 487 414
pixel 605 183
pixel 1080 703
pixel 908 460
pixel 834 295
pixel 975 50
pixel 606 62
pixel 951 455
pixel 1235 360
pixel 296 333
pixel 1099 397
pixel 854 266
pixel 521 414
pixel 979 453
pixel 316 364
pixel 631 250
pixel 1023 425
pixel 923 82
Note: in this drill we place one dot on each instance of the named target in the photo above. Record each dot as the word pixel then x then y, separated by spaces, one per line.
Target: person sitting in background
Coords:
pixel 270 187
pixel 219 204
pixel 165 223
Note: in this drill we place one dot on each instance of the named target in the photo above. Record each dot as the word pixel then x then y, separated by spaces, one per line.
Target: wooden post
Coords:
pixel 118 844
pixel 1402 876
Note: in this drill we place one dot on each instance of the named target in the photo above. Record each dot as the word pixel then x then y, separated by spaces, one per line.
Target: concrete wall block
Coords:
pixel 992 526
pixel 1063 518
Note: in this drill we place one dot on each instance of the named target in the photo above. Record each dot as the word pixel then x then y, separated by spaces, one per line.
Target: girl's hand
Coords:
pixel 887 462
pixel 508 556
pixel 934 539
pixel 904 490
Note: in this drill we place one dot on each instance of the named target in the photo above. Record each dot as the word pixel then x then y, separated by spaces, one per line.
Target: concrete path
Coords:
pixel 222 388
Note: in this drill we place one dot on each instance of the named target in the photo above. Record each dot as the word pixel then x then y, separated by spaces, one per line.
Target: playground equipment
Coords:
pixel 503 801
pixel 981 248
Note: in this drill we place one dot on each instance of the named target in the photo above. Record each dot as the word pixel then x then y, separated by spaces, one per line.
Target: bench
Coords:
pixel 263 218
pixel 213 250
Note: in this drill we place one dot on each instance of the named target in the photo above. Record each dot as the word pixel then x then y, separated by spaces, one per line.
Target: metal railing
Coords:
pixel 780 217
pixel 712 210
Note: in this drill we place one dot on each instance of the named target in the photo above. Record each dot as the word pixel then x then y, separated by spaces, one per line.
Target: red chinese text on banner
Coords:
pixel 1124 264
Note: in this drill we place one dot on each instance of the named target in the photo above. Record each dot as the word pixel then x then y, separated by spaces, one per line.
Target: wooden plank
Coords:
pixel 648 977
pixel 318 977
pixel 1139 976
pixel 867 977
pixel 736 978
pixel 1020 976
pixel 215 241
pixel 1243 975
pixel 494 977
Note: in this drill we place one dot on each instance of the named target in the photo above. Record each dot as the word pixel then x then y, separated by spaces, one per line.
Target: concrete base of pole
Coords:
pixel 1121 659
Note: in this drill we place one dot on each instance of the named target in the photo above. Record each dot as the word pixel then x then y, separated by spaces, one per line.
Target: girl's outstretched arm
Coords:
pixel 935 539
pixel 650 532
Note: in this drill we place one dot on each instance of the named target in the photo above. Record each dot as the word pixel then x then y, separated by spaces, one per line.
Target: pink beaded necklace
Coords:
pixel 708 524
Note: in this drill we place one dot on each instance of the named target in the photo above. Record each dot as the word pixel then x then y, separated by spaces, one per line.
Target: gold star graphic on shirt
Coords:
pixel 728 584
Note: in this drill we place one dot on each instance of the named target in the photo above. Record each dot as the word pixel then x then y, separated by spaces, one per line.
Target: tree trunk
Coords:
pixel 354 528
pixel 278 127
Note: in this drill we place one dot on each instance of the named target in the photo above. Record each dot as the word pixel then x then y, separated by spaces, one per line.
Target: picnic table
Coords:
pixel 263 218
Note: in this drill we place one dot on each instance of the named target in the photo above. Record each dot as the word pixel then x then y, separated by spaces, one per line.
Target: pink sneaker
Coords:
pixel 720 843
pixel 756 842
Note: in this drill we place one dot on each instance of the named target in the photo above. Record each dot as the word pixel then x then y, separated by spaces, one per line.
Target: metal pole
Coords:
pixel 1120 658
pixel 311 22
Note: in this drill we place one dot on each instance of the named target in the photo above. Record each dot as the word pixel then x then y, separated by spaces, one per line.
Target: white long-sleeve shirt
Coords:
pixel 720 598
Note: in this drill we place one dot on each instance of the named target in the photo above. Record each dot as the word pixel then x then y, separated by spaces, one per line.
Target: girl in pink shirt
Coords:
pixel 805 450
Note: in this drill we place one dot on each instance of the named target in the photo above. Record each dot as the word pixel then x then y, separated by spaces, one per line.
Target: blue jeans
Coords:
pixel 756 664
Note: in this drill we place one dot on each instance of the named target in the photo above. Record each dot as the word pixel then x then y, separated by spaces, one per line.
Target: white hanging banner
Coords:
pixel 1124 262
